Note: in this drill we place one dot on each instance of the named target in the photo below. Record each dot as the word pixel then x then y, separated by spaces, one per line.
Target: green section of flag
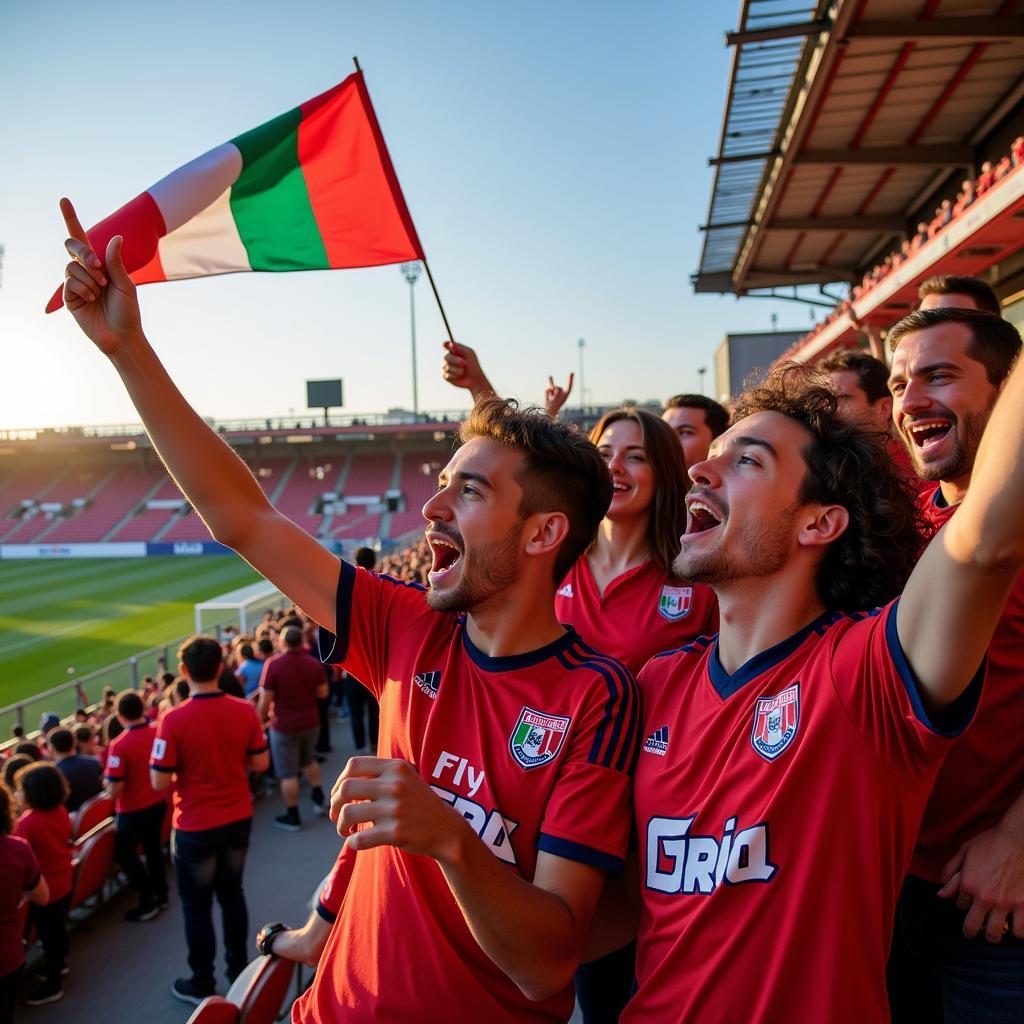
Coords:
pixel 522 733
pixel 270 202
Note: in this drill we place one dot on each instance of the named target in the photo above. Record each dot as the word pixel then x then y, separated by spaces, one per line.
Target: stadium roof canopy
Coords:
pixel 843 121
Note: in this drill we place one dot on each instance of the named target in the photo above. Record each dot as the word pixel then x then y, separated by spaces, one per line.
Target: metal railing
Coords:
pixel 64 700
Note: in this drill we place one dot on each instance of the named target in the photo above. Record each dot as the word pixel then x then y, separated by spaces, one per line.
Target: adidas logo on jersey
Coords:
pixel 657 742
pixel 565 590
pixel 428 682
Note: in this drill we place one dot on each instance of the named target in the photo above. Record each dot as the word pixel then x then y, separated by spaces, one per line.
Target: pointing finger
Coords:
pixel 74 225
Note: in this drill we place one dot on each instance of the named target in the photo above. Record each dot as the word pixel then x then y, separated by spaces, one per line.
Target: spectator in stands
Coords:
pixel 697 420
pixel 208 743
pixel 86 742
pixel 12 766
pixel 264 649
pixel 361 703
pixel 48 721
pixel 249 669
pixel 46 827
pixel 110 730
pixel 986 179
pixel 951 292
pixel 292 683
pixel 140 808
pixel 84 774
pixel 30 750
pixel 228 683
pixel 20 877
pixel 1017 151
pixel 862 384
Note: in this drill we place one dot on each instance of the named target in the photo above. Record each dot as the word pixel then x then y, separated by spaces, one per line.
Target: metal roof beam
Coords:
pixel 963 30
pixel 892 156
pixel 862 223
pixel 739 158
pixel 794 31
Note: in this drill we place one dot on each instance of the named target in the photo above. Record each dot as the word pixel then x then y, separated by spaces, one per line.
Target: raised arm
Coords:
pixel 956 593
pixel 101 297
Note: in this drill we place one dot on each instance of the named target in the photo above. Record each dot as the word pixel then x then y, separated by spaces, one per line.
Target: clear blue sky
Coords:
pixel 553 156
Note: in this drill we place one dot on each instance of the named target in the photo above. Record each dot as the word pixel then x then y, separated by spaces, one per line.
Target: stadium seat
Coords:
pixel 92 813
pixel 214 1010
pixel 261 988
pixel 93 862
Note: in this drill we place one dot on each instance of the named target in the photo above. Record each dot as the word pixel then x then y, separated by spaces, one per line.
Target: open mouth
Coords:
pixel 701 518
pixel 927 434
pixel 620 488
pixel 445 556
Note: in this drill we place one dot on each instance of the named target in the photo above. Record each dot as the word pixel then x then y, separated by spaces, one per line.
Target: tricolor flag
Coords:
pixel 313 189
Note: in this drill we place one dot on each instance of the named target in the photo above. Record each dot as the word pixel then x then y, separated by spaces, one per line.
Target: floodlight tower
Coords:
pixel 411 272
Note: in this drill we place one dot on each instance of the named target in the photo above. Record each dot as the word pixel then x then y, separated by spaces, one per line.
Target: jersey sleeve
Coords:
pixel 373 612
pixel 335 884
pixel 115 764
pixel 589 813
pixel 878 690
pixel 164 755
pixel 257 737
pixel 30 870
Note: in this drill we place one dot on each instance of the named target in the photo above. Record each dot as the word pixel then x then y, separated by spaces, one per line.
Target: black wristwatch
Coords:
pixel 266 935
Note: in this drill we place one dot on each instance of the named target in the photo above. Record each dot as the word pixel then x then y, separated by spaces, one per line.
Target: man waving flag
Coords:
pixel 312 189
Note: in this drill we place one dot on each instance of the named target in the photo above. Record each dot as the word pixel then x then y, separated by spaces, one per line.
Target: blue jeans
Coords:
pixel 936 974
pixel 211 863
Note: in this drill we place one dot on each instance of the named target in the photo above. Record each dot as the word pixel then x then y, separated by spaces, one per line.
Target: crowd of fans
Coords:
pixel 822 530
pixel 971 190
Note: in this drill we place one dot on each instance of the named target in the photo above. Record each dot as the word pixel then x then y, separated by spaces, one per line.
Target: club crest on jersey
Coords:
pixel 775 722
pixel 428 682
pixel 537 737
pixel 565 590
pixel 675 602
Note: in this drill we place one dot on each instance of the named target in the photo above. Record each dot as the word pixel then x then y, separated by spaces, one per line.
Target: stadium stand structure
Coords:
pixel 65 487
pixel 850 132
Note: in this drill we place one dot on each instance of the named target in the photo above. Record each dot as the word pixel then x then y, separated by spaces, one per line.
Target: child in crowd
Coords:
pixel 46 827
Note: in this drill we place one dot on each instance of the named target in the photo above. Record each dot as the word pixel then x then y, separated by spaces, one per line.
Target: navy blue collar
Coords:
pixel 726 685
pixel 138 725
pixel 214 693
pixel 513 662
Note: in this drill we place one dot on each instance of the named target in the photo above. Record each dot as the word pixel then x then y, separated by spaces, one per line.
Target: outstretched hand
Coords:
pixel 986 879
pixel 555 395
pixel 99 294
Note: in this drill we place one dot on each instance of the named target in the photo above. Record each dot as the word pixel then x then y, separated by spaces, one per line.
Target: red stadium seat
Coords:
pixel 92 813
pixel 261 988
pixel 93 862
pixel 214 1010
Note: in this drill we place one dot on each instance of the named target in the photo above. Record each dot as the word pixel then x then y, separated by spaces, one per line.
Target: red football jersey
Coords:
pixel 776 813
pixel 49 835
pixel 641 613
pixel 984 772
pixel 206 742
pixel 128 762
pixel 332 892
pixel 535 750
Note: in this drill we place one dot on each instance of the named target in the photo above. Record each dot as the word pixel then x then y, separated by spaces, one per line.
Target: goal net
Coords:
pixel 243 608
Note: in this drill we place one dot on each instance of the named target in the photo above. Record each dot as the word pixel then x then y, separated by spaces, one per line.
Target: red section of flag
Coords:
pixel 141 225
pixel 353 190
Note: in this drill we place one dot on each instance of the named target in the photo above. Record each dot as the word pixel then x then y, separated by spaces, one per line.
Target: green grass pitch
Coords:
pixel 90 613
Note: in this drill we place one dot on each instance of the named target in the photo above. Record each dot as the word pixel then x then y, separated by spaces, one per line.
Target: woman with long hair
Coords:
pixel 623 596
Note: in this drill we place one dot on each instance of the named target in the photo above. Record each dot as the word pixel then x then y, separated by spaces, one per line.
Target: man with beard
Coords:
pixel 967 875
pixel 484 835
pixel 777 802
